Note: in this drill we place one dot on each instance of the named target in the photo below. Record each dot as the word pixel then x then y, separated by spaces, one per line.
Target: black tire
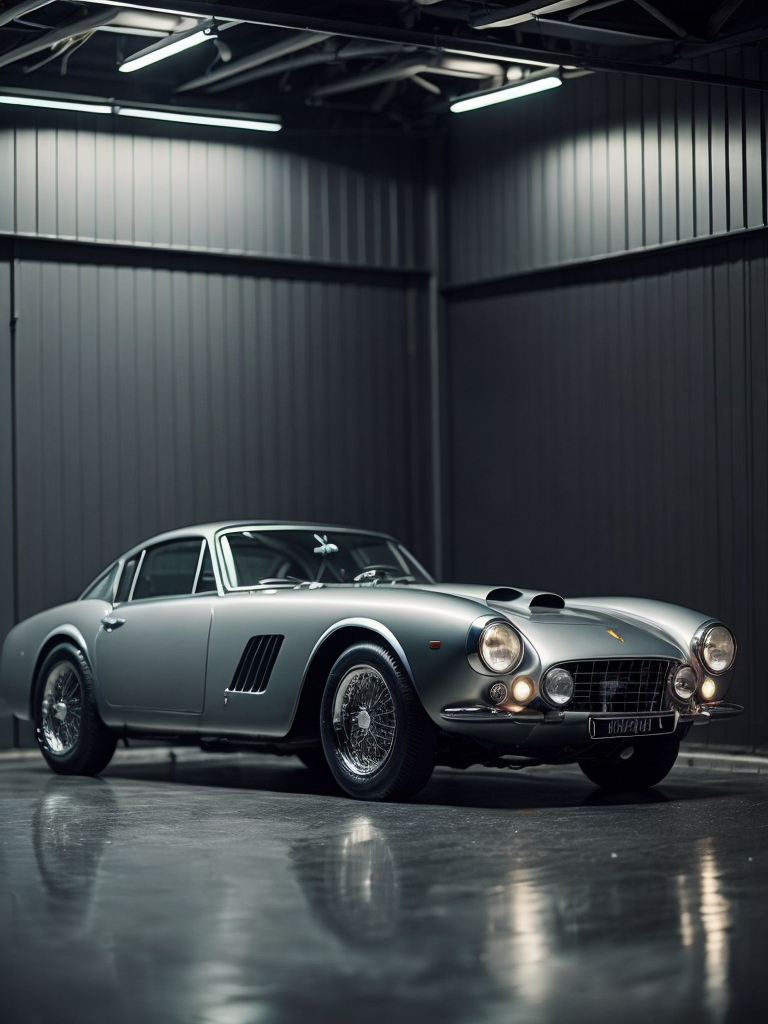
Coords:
pixel 72 737
pixel 651 761
pixel 378 740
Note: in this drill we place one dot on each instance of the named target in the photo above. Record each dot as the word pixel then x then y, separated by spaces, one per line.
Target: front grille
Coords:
pixel 623 685
pixel 256 664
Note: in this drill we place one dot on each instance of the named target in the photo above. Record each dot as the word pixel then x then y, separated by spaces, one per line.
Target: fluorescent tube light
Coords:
pixel 206 119
pixel 511 92
pixel 168 47
pixel 36 101
pixel 186 115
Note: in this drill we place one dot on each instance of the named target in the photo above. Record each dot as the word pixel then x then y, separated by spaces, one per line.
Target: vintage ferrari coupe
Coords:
pixel 336 645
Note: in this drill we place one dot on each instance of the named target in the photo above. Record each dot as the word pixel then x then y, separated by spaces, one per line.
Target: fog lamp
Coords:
pixel 708 688
pixel 684 683
pixel 523 689
pixel 557 686
pixel 498 693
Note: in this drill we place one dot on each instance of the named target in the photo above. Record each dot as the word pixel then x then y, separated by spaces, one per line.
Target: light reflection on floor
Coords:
pixel 238 891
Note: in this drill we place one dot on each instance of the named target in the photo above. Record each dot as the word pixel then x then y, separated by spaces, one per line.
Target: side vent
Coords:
pixel 256 664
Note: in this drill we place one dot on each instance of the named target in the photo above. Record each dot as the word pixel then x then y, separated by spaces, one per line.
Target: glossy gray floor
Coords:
pixel 234 890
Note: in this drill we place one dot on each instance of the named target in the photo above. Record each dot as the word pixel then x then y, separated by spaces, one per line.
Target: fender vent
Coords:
pixel 256 664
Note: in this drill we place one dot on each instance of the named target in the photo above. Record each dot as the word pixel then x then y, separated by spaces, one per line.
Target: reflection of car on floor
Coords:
pixel 336 645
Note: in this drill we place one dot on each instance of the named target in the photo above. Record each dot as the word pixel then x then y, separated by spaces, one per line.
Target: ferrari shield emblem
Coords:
pixel 614 633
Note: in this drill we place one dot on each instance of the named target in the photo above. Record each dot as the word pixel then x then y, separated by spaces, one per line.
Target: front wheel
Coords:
pixel 378 740
pixel 649 762
pixel 72 737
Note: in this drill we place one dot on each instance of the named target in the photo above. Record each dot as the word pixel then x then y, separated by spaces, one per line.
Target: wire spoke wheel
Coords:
pixel 62 708
pixel 72 737
pixel 379 742
pixel 364 720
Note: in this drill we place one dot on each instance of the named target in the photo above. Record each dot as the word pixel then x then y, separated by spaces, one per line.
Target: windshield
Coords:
pixel 330 556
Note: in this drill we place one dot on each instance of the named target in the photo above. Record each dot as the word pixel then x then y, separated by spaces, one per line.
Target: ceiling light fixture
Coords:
pixel 41 101
pixel 510 92
pixel 175 43
pixel 214 120
pixel 185 115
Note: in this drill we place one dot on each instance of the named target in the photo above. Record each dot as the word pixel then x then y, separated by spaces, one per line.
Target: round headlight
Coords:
pixel 557 686
pixel 684 682
pixel 708 689
pixel 718 649
pixel 500 647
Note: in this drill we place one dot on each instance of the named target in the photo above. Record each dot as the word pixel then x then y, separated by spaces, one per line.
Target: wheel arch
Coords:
pixel 63 635
pixel 335 640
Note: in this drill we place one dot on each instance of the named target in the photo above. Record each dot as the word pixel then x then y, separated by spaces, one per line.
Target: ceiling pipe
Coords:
pixel 289 44
pixel 63 32
pixel 26 7
pixel 720 15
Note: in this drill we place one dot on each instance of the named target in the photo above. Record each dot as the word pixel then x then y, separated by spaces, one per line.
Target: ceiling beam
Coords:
pixel 720 15
pixel 289 44
pixel 660 16
pixel 26 7
pixel 58 35
pixel 507 16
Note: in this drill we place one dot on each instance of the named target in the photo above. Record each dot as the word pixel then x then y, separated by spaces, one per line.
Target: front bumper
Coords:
pixel 534 727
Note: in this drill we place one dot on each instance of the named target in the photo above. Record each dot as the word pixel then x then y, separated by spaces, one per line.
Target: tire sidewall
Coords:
pixel 78 760
pixel 383 782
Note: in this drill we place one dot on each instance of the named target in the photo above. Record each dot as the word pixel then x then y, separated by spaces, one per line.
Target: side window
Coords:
pixel 104 586
pixel 206 581
pixel 168 569
pixel 124 587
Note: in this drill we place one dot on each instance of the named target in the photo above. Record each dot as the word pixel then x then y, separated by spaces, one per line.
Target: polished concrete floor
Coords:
pixel 202 889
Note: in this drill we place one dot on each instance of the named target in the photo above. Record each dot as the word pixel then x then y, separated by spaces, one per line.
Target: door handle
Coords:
pixel 110 622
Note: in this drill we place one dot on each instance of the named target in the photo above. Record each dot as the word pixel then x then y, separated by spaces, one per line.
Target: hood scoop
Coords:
pixel 504 594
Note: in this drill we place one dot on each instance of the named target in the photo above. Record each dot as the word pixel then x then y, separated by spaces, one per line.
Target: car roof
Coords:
pixel 209 530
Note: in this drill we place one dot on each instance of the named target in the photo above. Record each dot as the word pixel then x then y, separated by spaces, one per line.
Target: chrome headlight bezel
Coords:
pixel 699 647
pixel 684 672
pixel 480 633
pixel 547 680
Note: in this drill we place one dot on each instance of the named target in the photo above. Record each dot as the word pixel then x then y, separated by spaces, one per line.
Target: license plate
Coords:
pixel 637 725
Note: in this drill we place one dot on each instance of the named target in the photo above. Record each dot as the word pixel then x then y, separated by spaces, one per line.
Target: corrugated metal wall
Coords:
pixel 355 201
pixel 205 330
pixel 604 164
pixel 6 475
pixel 609 419
pixel 157 398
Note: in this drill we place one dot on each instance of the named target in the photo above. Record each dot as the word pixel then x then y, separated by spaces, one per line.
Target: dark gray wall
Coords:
pixel 347 200
pixel 206 329
pixel 155 398
pixel 609 423
pixel 6 476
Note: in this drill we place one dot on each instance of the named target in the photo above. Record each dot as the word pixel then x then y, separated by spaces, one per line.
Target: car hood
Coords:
pixel 565 630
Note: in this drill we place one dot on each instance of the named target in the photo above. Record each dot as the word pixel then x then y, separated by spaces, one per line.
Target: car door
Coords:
pixel 151 651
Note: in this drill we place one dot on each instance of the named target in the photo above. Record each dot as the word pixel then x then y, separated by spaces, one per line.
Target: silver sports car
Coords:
pixel 336 645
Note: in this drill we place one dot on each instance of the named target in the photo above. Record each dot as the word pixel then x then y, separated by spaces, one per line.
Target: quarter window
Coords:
pixel 168 570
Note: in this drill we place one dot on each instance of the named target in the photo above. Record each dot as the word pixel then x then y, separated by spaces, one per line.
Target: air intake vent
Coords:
pixel 256 664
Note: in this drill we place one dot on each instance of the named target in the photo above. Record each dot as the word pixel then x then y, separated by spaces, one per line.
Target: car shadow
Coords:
pixel 548 787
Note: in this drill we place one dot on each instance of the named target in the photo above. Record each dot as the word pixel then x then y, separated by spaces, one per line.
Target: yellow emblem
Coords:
pixel 614 633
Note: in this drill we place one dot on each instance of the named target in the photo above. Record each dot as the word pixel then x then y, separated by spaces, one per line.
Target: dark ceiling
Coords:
pixel 378 61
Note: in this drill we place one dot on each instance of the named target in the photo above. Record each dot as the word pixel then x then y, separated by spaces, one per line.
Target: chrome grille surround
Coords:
pixel 620 685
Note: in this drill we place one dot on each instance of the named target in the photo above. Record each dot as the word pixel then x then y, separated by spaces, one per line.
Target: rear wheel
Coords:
pixel 72 737
pixel 649 762
pixel 378 740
